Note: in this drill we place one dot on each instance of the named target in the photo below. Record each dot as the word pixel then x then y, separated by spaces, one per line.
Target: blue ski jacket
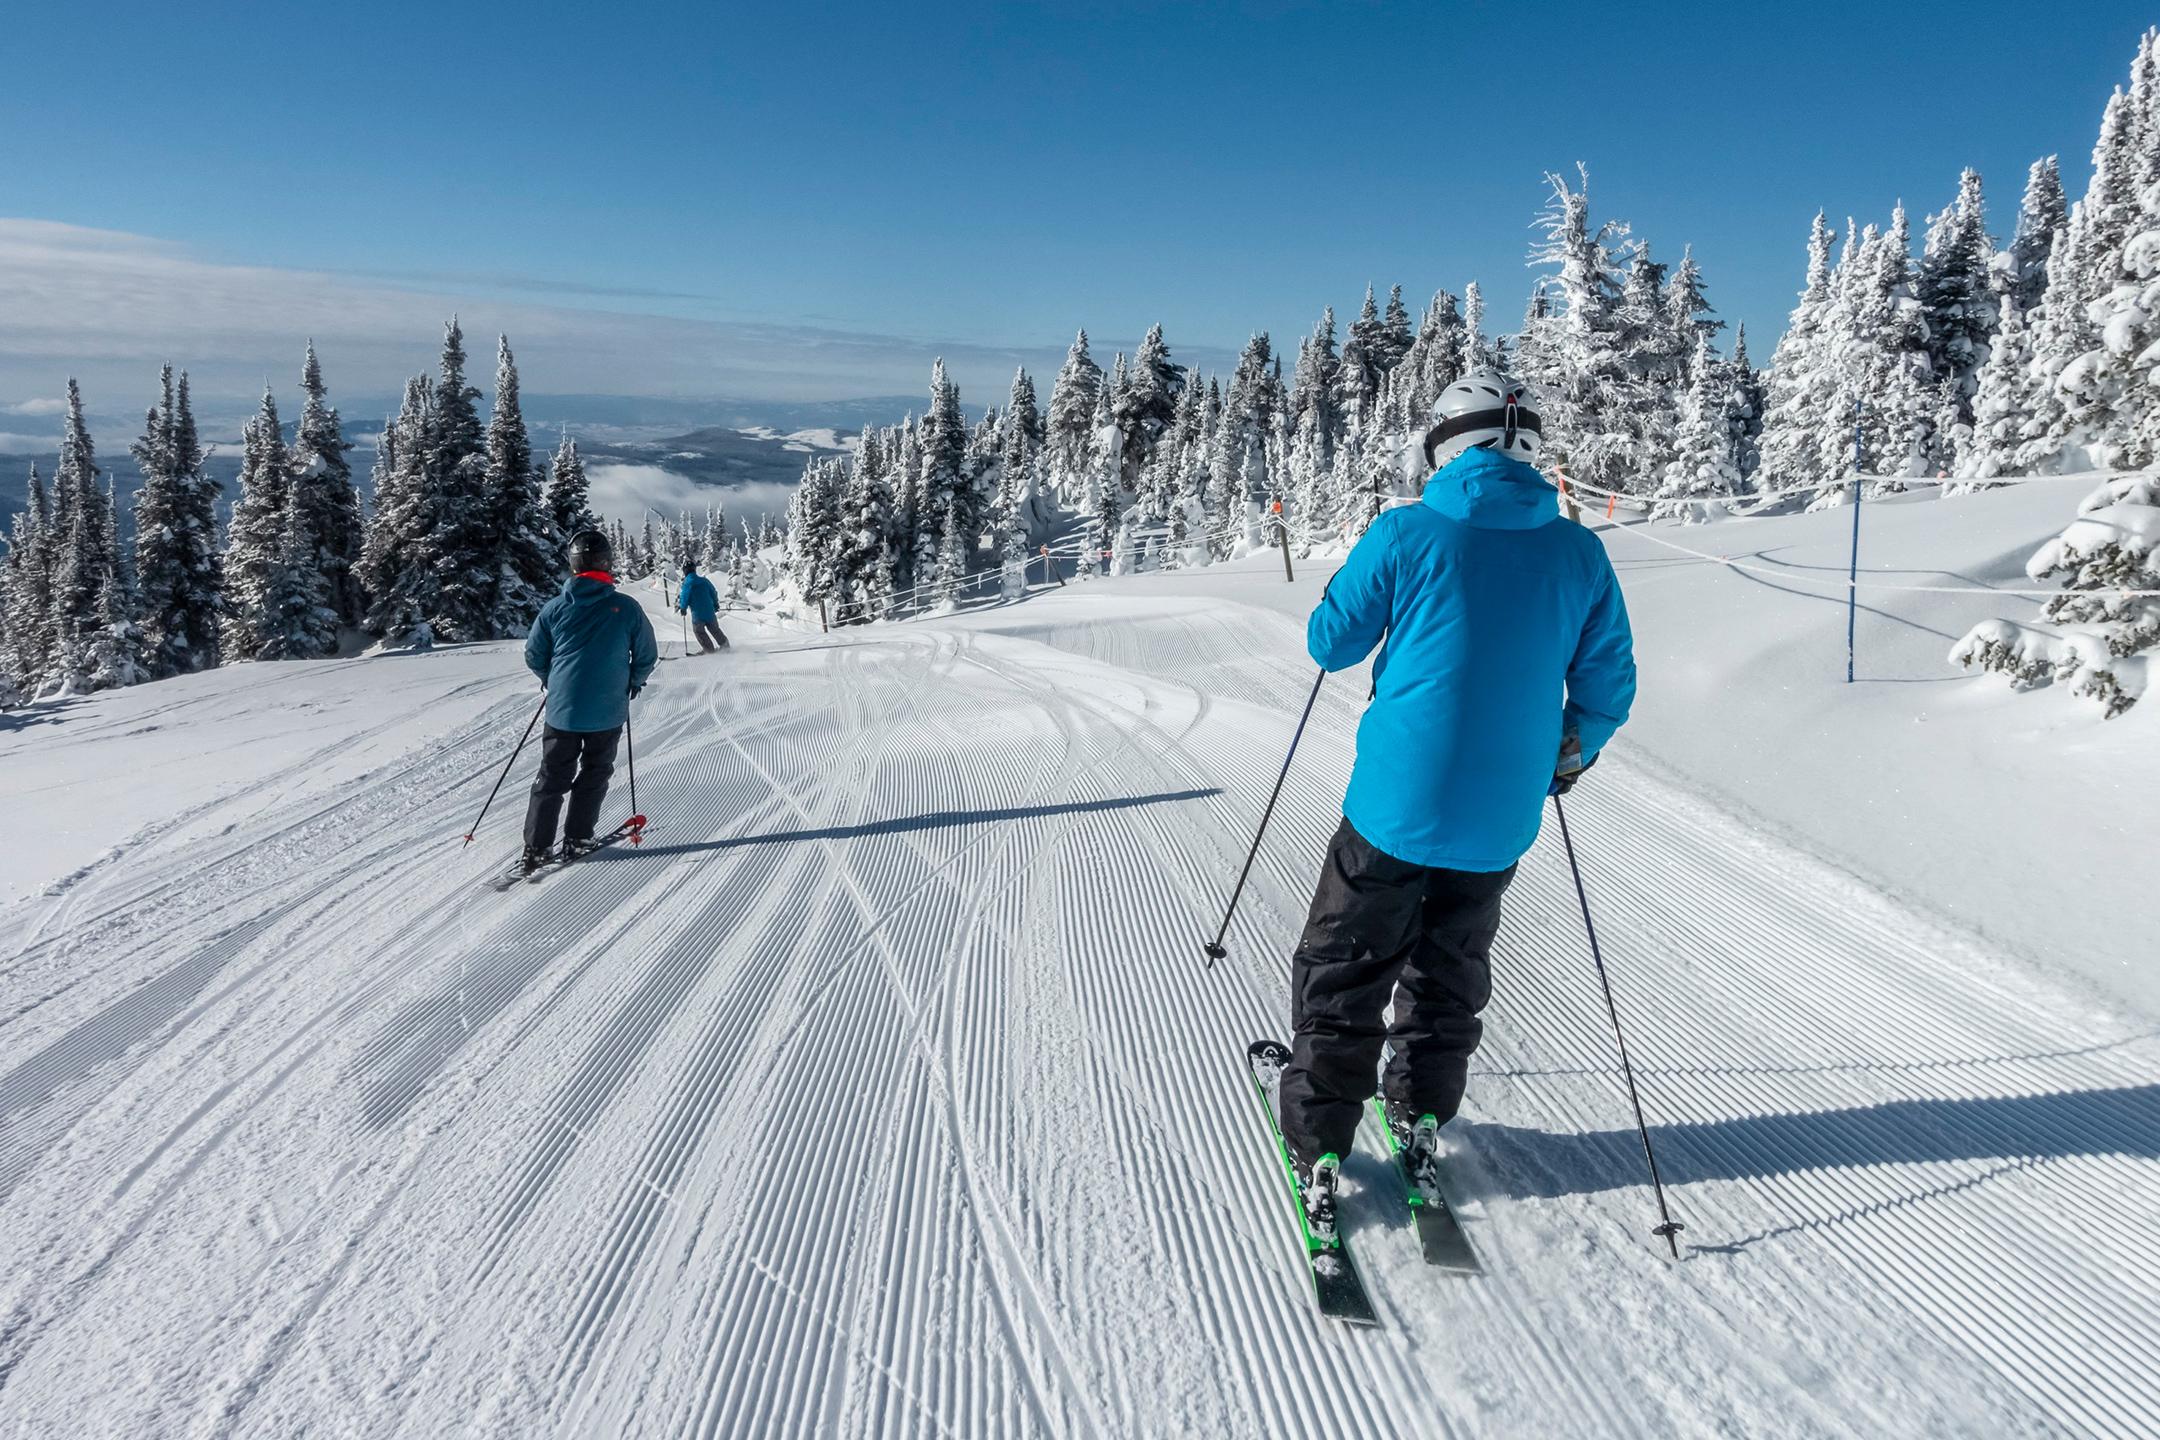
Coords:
pixel 591 647
pixel 699 598
pixel 1500 628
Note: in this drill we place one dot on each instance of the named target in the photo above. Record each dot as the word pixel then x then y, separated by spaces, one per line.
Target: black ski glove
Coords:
pixel 634 691
pixel 1569 767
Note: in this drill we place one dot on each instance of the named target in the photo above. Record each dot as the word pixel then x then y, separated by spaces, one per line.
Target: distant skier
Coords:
pixel 1505 665
pixel 702 602
pixel 593 649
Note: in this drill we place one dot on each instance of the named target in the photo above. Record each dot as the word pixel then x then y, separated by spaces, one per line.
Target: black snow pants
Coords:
pixel 1383 929
pixel 576 763
pixel 708 634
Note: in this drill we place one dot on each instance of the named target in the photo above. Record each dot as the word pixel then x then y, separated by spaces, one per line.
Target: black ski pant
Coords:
pixel 708 634
pixel 576 763
pixel 1383 929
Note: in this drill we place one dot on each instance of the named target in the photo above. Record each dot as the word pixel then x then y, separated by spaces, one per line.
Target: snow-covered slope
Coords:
pixel 882 1090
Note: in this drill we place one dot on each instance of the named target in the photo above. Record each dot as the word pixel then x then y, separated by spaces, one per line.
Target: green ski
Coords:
pixel 1337 1290
pixel 1440 1233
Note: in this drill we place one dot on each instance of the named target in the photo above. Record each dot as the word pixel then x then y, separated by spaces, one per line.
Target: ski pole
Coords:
pixel 637 817
pixel 506 768
pixel 1215 950
pixel 1667 1227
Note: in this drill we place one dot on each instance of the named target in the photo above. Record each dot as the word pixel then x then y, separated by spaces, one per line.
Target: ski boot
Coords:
pixel 532 860
pixel 1316 1191
pixel 578 849
pixel 1417 1138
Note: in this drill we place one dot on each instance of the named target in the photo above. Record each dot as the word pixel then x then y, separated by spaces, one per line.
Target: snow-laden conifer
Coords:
pixel 1069 428
pixel 329 505
pixel 178 571
pixel 256 539
pixel 1953 288
pixel 1703 469
pixel 529 565
pixel 1148 403
pixel 569 496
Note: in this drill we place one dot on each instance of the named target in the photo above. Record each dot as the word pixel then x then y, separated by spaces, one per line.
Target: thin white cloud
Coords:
pixel 12 443
pixel 623 492
pixel 109 308
pixel 43 405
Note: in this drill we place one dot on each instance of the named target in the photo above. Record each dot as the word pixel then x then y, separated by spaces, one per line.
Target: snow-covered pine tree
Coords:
pixel 2003 402
pixel 952 562
pixel 329 505
pixel 2097 640
pixel 1434 360
pixel 116 649
pixel 1688 317
pixel 861 563
pixel 813 532
pixel 464 544
pixel 906 529
pixel 83 559
pixel 985 453
pixel 1653 344
pixel 1315 383
pixel 1357 380
pixel 1887 365
pixel 1238 458
pixel 255 540
pixel 1069 428
pixel 1395 337
pixel 2109 389
pixel 569 495
pixel 1476 354
pixel 1022 438
pixel 530 566
pixel 396 563
pixel 1106 487
pixel 2074 392
pixel 1703 468
pixel 26 593
pixel 1106 527
pixel 1147 405
pixel 1009 526
pixel 944 469
pixel 1744 404
pixel 713 544
pixel 2042 215
pixel 1952 286
pixel 1570 345
pixel 179 574
pixel 1800 402
pixel 296 620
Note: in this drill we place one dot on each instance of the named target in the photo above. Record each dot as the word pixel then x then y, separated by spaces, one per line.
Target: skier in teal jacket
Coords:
pixel 701 602
pixel 1505 664
pixel 593 649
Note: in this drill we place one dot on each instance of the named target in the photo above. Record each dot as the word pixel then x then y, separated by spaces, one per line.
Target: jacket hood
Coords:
pixel 583 590
pixel 1490 491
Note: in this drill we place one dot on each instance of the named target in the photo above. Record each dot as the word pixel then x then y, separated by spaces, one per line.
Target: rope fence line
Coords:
pixel 1759 498
pixel 1831 583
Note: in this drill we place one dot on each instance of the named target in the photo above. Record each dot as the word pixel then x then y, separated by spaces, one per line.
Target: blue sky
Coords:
pixel 982 179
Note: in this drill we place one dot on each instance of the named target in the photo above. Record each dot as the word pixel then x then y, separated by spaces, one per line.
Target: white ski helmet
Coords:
pixel 1485 408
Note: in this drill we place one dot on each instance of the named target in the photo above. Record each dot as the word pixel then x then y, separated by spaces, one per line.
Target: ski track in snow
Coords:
pixel 882 1091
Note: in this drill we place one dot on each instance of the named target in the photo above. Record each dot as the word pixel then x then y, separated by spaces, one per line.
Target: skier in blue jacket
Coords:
pixel 701 602
pixel 1504 666
pixel 593 649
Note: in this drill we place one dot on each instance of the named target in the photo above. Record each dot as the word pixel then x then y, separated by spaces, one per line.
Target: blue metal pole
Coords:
pixel 1852 583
